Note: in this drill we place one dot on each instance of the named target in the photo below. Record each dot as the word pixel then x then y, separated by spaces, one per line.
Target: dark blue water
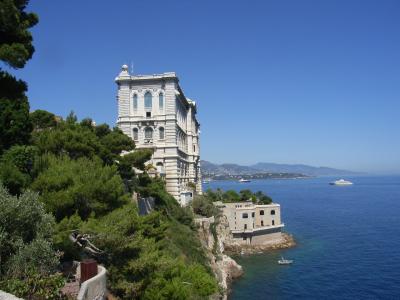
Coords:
pixel 348 241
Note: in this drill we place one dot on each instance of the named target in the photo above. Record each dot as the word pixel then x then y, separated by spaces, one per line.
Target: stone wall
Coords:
pixel 7 296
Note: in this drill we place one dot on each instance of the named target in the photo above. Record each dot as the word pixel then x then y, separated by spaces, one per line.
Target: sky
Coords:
pixel 313 82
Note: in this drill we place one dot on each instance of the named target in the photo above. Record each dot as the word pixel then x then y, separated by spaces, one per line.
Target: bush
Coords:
pixel 203 206
pixel 26 252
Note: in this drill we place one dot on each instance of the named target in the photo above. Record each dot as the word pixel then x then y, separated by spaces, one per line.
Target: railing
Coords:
pixel 266 227
pixel 95 287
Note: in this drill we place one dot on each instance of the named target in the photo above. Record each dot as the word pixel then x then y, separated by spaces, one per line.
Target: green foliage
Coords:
pixel 35 287
pixel 61 237
pixel 16 167
pixel 214 196
pixel 137 158
pixel 15 126
pixel 81 185
pixel 22 157
pixel 12 178
pixel 15 39
pixel 192 186
pixel 71 139
pixel 42 119
pixel 25 236
pixel 231 196
pixel 83 140
pixel 262 198
pixel 151 257
pixel 203 205
pixel 245 195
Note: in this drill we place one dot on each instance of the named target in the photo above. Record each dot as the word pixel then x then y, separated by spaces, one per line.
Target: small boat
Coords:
pixel 283 261
pixel 244 180
pixel 341 182
pixel 206 181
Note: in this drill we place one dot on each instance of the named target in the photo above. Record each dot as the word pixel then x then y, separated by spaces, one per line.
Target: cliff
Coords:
pixel 217 239
pixel 212 234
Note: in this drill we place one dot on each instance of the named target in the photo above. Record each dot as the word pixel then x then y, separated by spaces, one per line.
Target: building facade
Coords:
pixel 156 114
pixel 253 223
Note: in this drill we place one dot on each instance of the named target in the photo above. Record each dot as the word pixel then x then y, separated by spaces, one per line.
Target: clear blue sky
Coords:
pixel 314 82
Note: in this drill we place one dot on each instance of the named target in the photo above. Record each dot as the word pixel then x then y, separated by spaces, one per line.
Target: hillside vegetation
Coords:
pixel 64 177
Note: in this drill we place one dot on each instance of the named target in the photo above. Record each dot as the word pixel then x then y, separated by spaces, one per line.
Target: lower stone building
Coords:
pixel 253 224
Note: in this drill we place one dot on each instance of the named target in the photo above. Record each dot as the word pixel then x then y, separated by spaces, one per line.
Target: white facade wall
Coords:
pixel 174 155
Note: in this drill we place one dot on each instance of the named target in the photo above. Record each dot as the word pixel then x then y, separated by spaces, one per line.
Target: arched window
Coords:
pixel 272 212
pixel 161 101
pixel 135 134
pixel 148 99
pixel 148 133
pixel 135 102
pixel 161 132
pixel 261 212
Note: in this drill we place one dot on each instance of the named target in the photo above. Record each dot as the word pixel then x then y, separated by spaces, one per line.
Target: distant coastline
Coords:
pixel 263 170
pixel 236 177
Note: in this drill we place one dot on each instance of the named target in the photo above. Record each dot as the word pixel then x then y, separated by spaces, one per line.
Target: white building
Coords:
pixel 253 224
pixel 154 111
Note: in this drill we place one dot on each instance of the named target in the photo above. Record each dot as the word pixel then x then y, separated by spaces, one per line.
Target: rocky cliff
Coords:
pixel 212 234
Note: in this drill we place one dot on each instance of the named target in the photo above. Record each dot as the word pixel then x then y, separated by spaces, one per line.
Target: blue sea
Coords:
pixel 348 240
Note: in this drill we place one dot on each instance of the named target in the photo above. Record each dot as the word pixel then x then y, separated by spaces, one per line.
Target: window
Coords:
pixel 252 214
pixel 161 132
pixel 148 99
pixel 148 114
pixel 148 133
pixel 273 222
pixel 161 101
pixel 262 223
pixel 272 212
pixel 135 102
pixel 160 168
pixel 194 148
pixel 245 216
pixel 135 134
pixel 245 226
pixel 261 212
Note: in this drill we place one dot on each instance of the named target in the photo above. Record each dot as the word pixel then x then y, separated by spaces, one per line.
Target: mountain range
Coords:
pixel 209 168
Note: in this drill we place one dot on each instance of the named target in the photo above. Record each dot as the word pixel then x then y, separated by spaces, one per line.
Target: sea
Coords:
pixel 348 240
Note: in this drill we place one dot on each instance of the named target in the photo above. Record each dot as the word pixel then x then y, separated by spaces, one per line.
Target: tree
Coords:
pixel 231 196
pixel 15 126
pixel 245 195
pixel 15 49
pixel 16 166
pixel 84 186
pixel 15 39
pixel 42 119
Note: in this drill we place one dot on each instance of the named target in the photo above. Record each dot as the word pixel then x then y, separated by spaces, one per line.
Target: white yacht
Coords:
pixel 244 180
pixel 284 261
pixel 341 182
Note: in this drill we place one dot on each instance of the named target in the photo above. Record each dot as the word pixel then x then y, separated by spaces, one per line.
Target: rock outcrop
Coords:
pixel 217 239
pixel 225 268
